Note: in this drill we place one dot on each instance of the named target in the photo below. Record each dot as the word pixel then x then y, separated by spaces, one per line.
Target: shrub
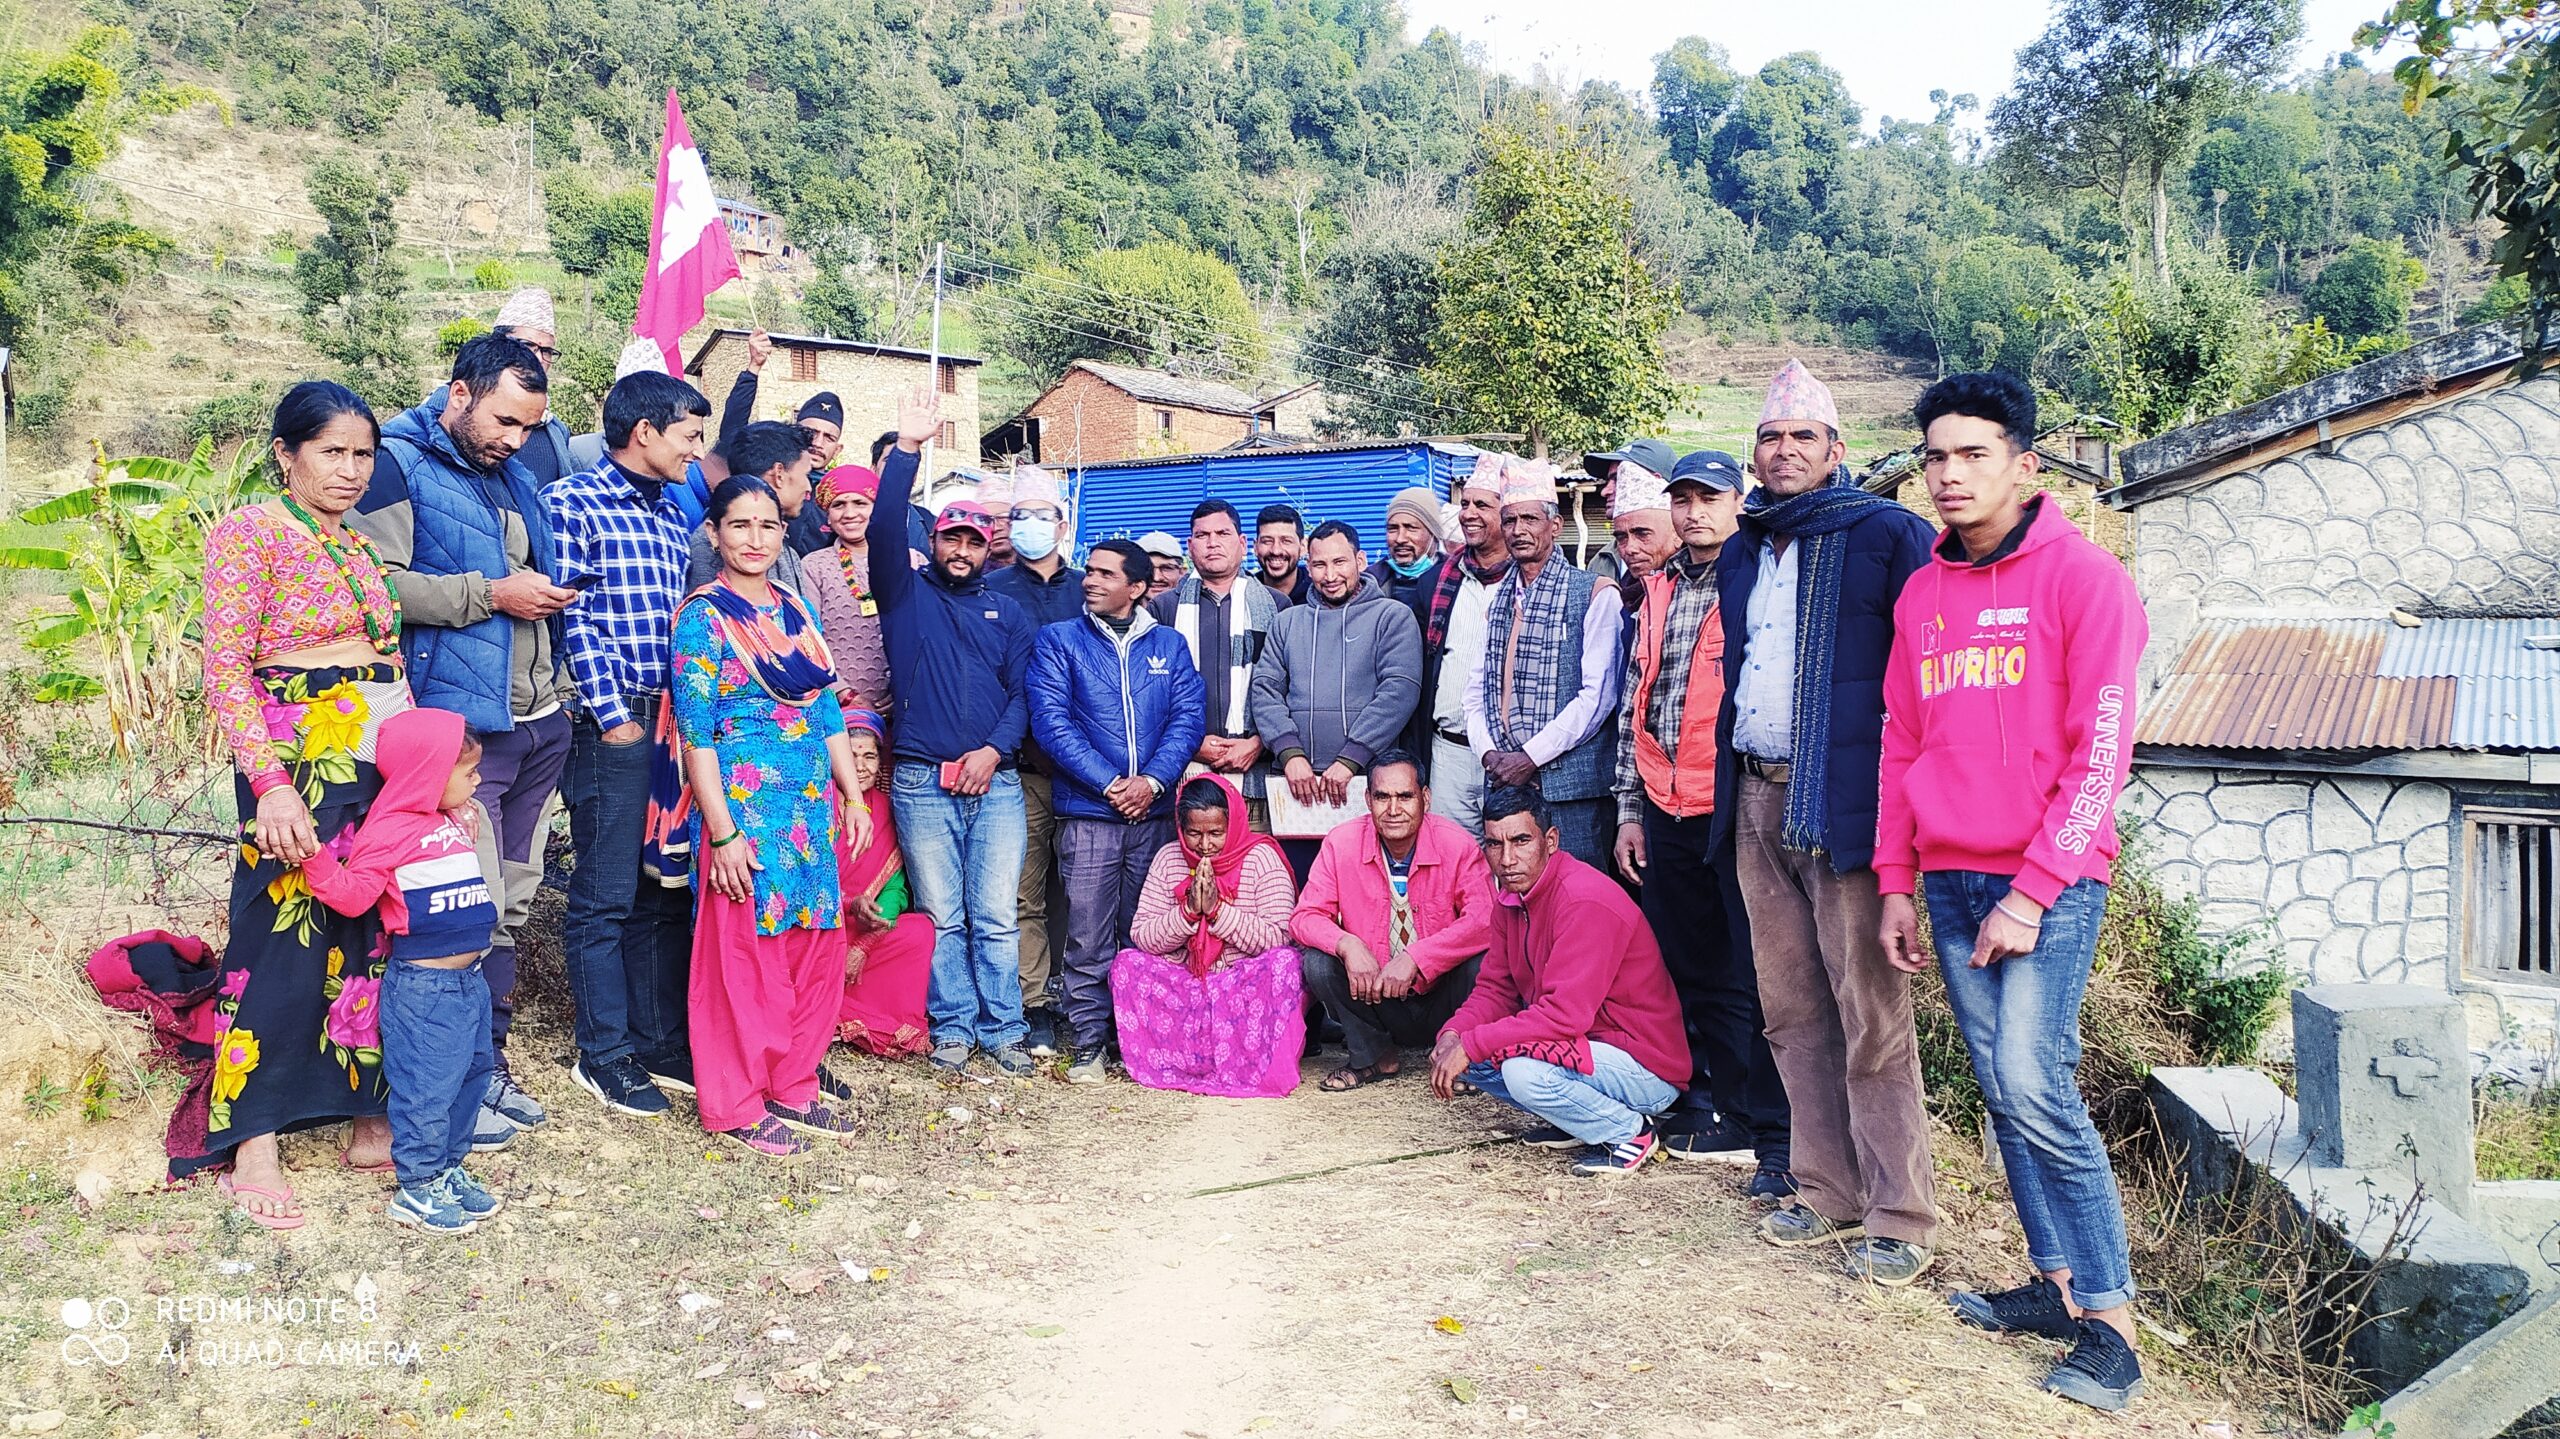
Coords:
pixel 493 275
pixel 242 414
pixel 451 338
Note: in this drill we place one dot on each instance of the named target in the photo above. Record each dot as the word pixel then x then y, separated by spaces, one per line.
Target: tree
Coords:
pixel 1373 339
pixel 2114 95
pixel 1693 84
pixel 1158 305
pixel 600 238
pixel 2365 293
pixel 354 293
pixel 2495 66
pixel 1777 156
pixel 1549 323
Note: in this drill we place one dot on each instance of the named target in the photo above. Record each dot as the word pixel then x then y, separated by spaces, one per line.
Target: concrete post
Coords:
pixel 2384 1083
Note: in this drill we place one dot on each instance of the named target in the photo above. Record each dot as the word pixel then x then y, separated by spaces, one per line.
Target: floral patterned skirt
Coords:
pixel 1237 1032
pixel 298 1033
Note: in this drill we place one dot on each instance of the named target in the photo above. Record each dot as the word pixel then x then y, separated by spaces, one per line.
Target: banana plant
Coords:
pixel 130 546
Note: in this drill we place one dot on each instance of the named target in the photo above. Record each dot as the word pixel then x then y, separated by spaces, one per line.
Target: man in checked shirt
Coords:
pixel 622 532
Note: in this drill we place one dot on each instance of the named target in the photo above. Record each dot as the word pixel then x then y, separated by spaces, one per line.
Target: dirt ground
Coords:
pixel 1068 1262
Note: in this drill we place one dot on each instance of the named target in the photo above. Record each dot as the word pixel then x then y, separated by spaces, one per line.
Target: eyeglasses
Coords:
pixel 1024 512
pixel 546 353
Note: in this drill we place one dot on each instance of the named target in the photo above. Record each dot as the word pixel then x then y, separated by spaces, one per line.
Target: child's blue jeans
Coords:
pixel 436 1055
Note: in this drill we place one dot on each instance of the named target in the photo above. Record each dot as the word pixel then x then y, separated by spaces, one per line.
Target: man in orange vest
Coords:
pixel 1735 1109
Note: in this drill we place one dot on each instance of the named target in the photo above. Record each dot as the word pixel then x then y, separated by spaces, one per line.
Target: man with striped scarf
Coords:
pixel 1807 588
pixel 1226 624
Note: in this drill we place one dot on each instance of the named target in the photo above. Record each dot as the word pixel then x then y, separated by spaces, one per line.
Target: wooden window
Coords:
pixel 947 379
pixel 1164 422
pixel 2510 929
pixel 946 438
pixel 804 363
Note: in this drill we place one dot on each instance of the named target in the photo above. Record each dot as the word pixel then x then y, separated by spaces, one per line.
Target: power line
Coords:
pixel 1204 322
pixel 1030 312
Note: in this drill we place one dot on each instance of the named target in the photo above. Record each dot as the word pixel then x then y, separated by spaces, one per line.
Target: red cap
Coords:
pixel 965 515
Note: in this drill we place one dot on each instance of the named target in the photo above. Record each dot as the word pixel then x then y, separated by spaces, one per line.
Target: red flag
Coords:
pixel 689 254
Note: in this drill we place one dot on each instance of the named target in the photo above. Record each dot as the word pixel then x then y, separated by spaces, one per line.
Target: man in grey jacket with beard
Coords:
pixel 1338 680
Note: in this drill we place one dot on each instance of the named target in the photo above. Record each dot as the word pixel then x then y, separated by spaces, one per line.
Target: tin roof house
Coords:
pixel 2350 726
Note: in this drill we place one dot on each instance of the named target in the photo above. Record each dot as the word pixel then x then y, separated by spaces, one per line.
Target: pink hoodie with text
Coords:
pixel 2009 712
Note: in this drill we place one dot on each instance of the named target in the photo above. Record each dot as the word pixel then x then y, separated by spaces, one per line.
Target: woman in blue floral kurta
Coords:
pixel 775 797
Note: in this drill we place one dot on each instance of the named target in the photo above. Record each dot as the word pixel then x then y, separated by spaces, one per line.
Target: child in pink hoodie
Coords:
pixel 417 858
pixel 2008 734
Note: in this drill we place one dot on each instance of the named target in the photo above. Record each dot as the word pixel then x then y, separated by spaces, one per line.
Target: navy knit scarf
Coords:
pixel 1815 521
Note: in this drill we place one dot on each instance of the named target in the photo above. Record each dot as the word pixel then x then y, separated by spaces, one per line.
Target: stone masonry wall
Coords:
pixel 2352 876
pixel 2455 509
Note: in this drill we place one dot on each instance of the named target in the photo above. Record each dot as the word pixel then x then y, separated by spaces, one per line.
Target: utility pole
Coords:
pixel 933 373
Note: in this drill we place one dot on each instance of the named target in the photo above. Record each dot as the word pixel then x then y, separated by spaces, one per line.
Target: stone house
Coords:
pixel 870 379
pixel 2349 733
pixel 1097 413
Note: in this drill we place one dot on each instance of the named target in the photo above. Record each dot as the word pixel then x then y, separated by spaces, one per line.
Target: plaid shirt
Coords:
pixel 1693 598
pixel 617 631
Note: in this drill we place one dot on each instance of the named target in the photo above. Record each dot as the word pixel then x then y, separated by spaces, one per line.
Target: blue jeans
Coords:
pixel 625 939
pixel 964 858
pixel 1606 1106
pixel 2021 1020
pixel 436 1058
pixel 519 772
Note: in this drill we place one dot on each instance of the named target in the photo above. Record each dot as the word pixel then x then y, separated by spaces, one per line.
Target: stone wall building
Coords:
pixel 1099 413
pixel 2350 737
pixel 870 379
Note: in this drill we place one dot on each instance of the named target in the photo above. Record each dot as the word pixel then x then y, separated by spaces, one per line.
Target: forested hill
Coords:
pixel 1321 159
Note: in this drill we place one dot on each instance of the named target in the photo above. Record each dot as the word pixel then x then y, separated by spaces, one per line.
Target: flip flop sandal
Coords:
pixel 385 1167
pixel 233 1189
pixel 1361 1078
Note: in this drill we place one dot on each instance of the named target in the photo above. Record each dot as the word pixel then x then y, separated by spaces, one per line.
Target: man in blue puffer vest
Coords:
pixel 460 524
pixel 1119 709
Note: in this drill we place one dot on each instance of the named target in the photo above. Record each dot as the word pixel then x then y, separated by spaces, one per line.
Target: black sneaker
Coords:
pixel 1043 1039
pixel 1770 1186
pixel 833 1086
pixel 673 1071
pixel 1625 1157
pixel 1547 1136
pixel 623 1086
pixel 2101 1370
pixel 1707 1139
pixel 2034 1307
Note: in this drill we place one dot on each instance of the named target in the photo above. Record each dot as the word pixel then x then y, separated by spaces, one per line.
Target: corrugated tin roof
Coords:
pixel 2360 684
pixel 1181 390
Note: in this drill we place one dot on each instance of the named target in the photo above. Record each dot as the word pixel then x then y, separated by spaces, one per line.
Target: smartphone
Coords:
pixel 951 776
pixel 582 582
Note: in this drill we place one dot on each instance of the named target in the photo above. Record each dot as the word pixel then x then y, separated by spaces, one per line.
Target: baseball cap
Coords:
pixel 1654 455
pixel 964 515
pixel 1712 468
pixel 1158 543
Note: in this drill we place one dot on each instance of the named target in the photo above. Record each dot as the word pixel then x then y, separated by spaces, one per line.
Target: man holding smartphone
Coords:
pixel 959 656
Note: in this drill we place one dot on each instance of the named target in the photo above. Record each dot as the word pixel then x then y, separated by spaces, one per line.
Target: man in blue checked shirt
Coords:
pixel 622 531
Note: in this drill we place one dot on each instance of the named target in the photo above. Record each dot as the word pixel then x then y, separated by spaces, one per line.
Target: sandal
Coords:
pixel 385 1167
pixel 232 1189
pixel 1348 1078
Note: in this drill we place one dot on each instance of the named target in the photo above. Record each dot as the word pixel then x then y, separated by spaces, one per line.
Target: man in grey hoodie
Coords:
pixel 1338 680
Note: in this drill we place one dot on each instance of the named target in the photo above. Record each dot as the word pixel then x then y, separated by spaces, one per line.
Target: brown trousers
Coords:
pixel 1839 1025
pixel 1039 859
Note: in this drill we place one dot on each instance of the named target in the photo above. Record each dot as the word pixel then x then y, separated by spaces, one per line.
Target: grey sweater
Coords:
pixel 1338 681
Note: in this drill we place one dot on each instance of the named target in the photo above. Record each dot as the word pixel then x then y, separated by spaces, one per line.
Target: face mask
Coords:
pixel 1035 539
pixel 1412 571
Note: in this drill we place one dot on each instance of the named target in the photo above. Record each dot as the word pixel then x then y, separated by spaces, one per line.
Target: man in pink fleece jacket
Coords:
pixel 1393 923
pixel 2008 733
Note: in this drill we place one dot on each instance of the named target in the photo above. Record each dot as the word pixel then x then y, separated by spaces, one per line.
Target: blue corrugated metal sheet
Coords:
pixel 1324 483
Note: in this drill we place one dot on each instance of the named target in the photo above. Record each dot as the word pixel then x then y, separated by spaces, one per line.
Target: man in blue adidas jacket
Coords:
pixel 958 654
pixel 459 521
pixel 1119 708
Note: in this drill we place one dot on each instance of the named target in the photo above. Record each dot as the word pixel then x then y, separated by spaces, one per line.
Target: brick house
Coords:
pixel 2348 732
pixel 869 378
pixel 1097 413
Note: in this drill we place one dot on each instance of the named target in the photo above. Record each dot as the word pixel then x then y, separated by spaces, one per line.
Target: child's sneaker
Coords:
pixel 470 1195
pixel 492 1131
pixel 430 1206
pixel 769 1138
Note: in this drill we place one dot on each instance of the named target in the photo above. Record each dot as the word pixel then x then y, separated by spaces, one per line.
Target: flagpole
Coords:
pixel 933 371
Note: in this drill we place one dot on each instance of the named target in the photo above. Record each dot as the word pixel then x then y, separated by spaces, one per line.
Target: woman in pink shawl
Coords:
pixel 1208 996
pixel 891 954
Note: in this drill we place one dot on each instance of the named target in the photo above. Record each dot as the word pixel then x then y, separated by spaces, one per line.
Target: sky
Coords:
pixel 1894 52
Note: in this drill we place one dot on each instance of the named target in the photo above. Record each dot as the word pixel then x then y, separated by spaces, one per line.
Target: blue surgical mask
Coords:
pixel 1412 571
pixel 1035 539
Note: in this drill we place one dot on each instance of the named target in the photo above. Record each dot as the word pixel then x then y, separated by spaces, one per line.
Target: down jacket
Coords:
pixel 1105 706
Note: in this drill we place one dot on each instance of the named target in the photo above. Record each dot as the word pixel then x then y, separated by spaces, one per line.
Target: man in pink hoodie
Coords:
pixel 2008 733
